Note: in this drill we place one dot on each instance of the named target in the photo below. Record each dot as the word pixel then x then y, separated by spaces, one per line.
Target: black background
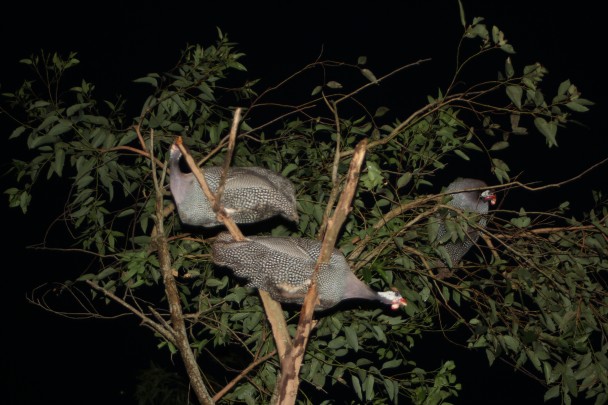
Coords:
pixel 51 359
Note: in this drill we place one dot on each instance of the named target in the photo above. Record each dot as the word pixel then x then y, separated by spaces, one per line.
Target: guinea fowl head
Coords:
pixel 488 196
pixel 179 183
pixel 392 298
pixel 355 288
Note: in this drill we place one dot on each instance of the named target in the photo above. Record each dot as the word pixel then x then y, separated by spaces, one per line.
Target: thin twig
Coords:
pixel 242 374
pixel 140 137
pixel 227 160
pixel 164 332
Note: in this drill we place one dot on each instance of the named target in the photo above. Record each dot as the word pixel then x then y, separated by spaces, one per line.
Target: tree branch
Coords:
pixel 290 365
pixel 160 242
pixel 165 332
pixel 273 309
pixel 242 374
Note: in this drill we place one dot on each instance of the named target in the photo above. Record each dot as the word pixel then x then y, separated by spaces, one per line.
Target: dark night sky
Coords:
pixel 52 359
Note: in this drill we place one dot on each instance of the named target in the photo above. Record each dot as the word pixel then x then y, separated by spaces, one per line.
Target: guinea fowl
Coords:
pixel 251 194
pixel 282 266
pixel 474 201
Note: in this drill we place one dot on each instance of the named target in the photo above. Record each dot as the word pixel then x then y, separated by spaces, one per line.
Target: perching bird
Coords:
pixel 474 202
pixel 282 266
pixel 251 194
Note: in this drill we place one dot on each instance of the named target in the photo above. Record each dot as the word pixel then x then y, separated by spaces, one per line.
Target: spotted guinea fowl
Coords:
pixel 251 194
pixel 475 202
pixel 282 266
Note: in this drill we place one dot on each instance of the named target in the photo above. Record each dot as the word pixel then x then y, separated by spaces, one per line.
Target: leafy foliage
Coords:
pixel 533 294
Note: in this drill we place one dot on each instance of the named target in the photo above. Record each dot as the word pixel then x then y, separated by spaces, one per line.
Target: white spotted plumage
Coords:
pixel 283 266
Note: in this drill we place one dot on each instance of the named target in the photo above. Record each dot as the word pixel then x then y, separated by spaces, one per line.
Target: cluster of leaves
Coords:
pixel 536 295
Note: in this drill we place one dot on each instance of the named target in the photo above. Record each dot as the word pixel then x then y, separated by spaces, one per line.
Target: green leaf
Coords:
pixel 500 145
pixel 392 364
pixel 372 177
pixel 575 106
pixel 59 160
pixel 521 222
pixel 96 120
pixel 316 90
pixel 106 273
pixel 509 71
pixel 334 85
pixel 477 30
pixel 18 131
pixel 84 181
pixel 380 112
pixel 337 343
pixel 369 387
pixel 472 146
pixel 461 154
pixel 289 168
pixel 508 48
pixel 551 393
pixel 404 179
pixel 379 333
pixel 389 385
pixel 147 79
pixel 570 382
pixel 40 141
pixel 463 20
pixel 563 87
pixel 76 107
pixel 215 283
pixel 511 342
pixel 357 386
pixel 548 129
pixel 351 338
pixel 369 75
pixel 500 169
pixel 515 93
pixel 39 104
pixel 62 127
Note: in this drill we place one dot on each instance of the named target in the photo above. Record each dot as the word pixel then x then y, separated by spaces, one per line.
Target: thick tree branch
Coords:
pixel 290 365
pixel 161 244
pixel 273 309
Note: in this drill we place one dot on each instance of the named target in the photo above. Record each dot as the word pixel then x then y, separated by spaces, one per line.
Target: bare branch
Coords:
pixel 290 365
pixel 163 330
pixel 243 373
pixel 273 309
pixel 227 159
